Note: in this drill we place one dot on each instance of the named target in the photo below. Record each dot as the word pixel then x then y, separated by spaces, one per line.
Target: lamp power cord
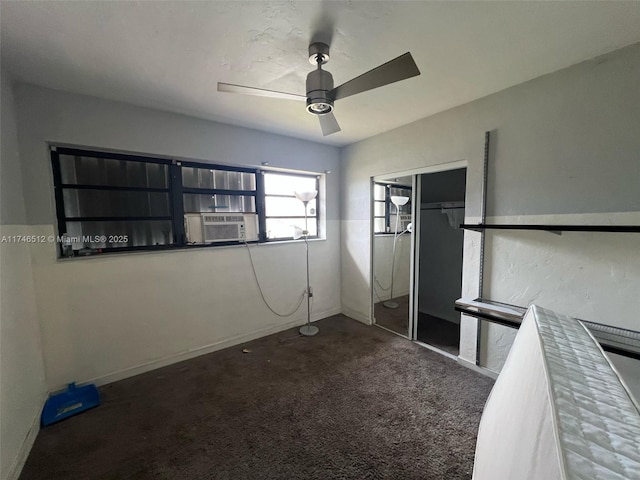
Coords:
pixel 255 276
pixel 375 278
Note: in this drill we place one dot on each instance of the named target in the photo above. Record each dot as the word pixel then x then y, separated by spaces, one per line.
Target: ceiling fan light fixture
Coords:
pixel 319 108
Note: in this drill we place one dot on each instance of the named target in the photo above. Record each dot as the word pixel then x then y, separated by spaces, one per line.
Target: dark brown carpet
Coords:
pixel 395 319
pixel 354 402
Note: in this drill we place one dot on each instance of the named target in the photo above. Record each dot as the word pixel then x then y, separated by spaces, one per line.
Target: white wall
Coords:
pixel 22 382
pixel 565 145
pixel 108 317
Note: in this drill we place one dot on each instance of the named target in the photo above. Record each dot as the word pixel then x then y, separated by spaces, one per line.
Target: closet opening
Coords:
pixel 438 260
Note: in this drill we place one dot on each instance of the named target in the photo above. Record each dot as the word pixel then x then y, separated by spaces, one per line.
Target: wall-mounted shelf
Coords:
pixel 553 228
pixel 612 339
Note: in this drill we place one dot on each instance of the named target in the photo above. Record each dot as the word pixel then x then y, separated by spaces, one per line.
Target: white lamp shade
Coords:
pixel 399 201
pixel 305 196
pixel 297 233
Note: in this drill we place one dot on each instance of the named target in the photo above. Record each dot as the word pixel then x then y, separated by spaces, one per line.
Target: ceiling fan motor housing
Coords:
pixel 319 84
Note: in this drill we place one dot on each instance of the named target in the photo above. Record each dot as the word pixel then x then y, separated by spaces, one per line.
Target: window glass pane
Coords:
pixel 378 225
pixel 284 227
pixel 119 234
pixel 200 203
pixel 404 209
pixel 378 209
pixel 288 207
pixel 217 179
pixel 110 172
pixel 115 203
pixel 379 192
pixel 277 184
pixel 400 192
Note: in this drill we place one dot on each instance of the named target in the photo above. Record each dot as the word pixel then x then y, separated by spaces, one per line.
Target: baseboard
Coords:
pixel 359 316
pixel 477 368
pixel 437 350
pixel 210 348
pixel 387 297
pixel 391 331
pixel 325 314
pixel 18 463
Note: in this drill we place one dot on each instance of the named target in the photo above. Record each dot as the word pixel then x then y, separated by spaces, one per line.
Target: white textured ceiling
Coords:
pixel 169 55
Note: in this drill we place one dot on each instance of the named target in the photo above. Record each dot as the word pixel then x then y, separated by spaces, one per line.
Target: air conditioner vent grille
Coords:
pixel 214 233
pixel 220 227
pixel 222 218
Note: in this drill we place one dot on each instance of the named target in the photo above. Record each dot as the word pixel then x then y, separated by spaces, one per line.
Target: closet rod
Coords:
pixel 439 208
pixel 441 205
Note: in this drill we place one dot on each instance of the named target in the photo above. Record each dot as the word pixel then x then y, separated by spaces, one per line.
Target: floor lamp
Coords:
pixel 398 202
pixel 307 330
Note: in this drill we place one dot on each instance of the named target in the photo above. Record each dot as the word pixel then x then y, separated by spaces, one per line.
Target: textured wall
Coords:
pixel 564 144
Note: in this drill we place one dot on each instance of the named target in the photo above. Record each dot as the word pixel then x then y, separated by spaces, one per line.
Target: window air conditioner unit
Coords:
pixel 223 227
pixel 403 222
pixel 220 227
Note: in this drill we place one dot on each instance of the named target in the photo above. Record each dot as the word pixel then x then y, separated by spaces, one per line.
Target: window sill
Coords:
pixel 188 248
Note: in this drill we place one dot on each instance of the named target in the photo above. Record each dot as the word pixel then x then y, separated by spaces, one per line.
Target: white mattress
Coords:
pixel 558 410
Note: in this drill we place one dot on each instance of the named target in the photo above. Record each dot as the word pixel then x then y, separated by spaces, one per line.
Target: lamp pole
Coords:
pixel 397 201
pixel 307 330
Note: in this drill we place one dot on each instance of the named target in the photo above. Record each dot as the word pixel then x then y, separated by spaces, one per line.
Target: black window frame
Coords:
pixel 175 190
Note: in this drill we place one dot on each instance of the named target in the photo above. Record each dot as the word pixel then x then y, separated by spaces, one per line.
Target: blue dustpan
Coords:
pixel 70 402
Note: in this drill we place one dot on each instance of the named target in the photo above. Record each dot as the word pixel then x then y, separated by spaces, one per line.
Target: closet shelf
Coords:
pixel 552 228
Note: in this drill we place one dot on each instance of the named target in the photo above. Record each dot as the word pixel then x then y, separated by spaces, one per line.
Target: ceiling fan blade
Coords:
pixel 230 88
pixel 395 70
pixel 328 124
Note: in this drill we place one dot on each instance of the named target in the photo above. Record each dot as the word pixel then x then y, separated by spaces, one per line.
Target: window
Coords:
pixel 112 202
pixel 380 210
pixel 219 204
pixel 384 212
pixel 108 202
pixel 283 211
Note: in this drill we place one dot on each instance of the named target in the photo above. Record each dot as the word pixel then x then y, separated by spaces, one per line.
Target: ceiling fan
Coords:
pixel 321 94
